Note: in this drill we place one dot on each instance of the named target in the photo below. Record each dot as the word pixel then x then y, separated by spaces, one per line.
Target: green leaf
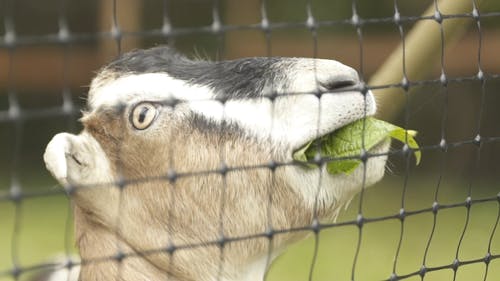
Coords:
pixel 300 155
pixel 346 166
pixel 351 140
pixel 408 138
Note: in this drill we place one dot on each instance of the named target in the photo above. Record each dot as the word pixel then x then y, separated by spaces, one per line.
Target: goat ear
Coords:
pixel 78 161
pixel 55 157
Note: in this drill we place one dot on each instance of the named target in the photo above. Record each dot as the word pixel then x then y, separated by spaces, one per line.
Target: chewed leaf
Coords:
pixel 300 155
pixel 408 138
pixel 346 166
pixel 351 140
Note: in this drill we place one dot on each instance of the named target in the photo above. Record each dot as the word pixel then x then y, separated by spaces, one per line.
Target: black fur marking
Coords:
pixel 234 79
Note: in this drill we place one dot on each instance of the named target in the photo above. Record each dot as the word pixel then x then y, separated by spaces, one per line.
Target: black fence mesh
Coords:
pixel 437 221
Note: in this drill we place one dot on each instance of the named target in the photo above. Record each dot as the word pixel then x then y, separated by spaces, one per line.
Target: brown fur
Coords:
pixel 166 207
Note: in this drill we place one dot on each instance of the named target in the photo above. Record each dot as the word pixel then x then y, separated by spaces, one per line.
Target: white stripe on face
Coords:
pixel 150 86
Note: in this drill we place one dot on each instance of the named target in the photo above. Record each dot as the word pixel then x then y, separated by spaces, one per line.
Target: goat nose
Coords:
pixel 333 75
pixel 313 75
pixel 337 83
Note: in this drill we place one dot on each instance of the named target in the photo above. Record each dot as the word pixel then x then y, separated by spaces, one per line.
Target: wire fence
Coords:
pixel 458 187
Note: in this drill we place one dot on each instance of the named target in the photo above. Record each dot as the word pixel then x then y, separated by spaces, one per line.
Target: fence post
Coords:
pixel 421 53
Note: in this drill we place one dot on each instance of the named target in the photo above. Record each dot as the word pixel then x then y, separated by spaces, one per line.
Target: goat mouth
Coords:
pixel 346 148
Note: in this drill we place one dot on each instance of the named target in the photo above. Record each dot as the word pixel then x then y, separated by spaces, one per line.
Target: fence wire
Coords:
pixel 15 116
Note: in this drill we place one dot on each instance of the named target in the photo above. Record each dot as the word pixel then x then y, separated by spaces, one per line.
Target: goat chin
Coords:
pixel 184 169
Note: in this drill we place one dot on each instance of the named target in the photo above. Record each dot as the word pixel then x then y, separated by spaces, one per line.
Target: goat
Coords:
pixel 184 169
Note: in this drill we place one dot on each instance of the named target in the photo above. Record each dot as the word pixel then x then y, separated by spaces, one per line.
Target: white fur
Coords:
pixel 254 271
pixel 61 272
pixel 55 157
pixel 65 274
pixel 318 186
pixel 149 86
pixel 77 160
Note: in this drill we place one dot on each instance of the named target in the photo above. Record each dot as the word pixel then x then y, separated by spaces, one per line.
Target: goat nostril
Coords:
pixel 338 85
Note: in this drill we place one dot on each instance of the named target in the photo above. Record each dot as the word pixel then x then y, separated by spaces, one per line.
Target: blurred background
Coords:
pixel 50 50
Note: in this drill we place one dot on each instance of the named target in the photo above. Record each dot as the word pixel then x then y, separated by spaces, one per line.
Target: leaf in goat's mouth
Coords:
pixel 348 142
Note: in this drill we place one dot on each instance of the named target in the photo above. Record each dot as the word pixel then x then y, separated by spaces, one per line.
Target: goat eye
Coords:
pixel 143 115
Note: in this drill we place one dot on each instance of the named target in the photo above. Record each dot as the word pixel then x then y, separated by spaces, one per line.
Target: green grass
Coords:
pixel 33 231
pixel 379 240
pixel 42 225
